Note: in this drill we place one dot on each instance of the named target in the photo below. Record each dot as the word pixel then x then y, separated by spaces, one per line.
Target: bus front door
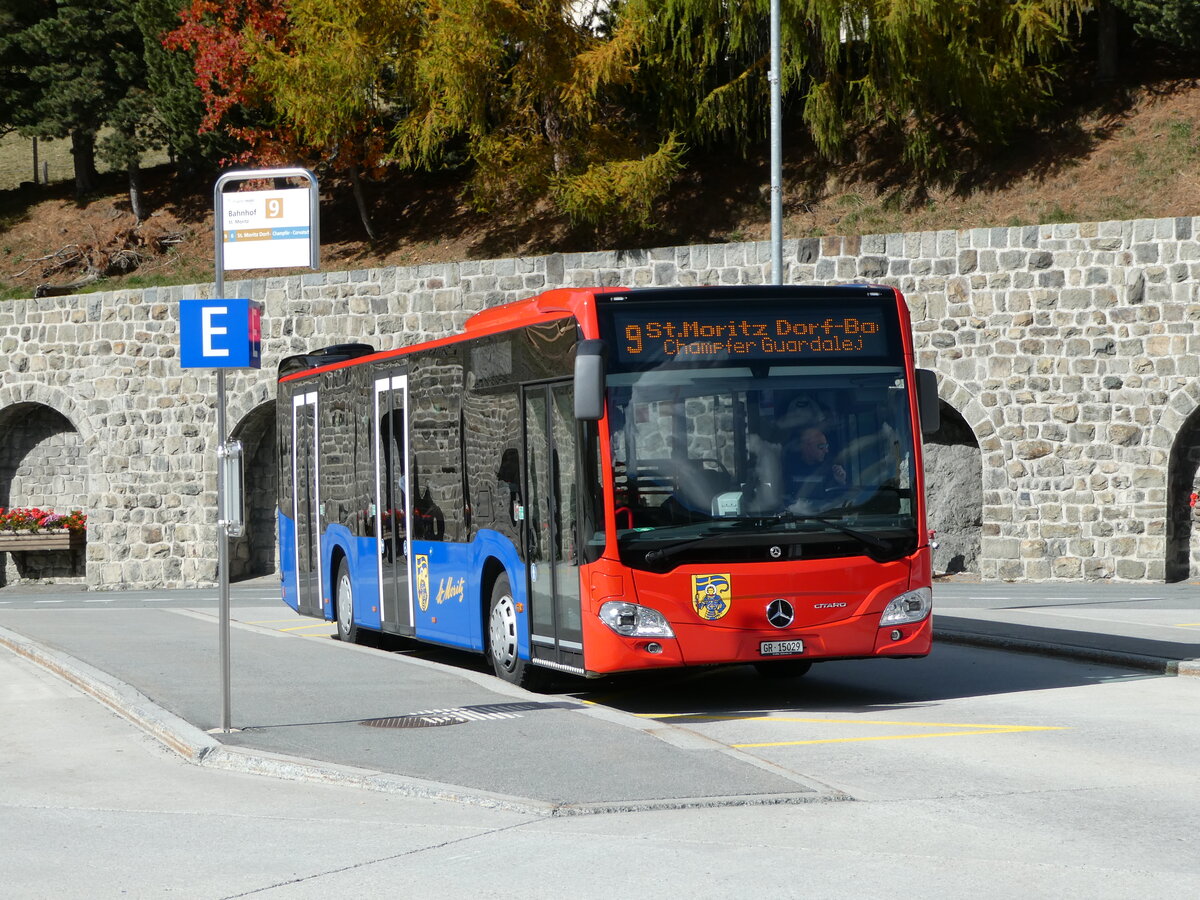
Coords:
pixel 306 503
pixel 552 563
pixel 392 529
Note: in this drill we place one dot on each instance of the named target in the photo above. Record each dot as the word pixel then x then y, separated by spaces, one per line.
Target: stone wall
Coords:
pixel 1069 352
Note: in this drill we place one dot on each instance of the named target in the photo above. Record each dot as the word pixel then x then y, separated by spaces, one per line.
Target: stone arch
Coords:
pixel 1183 482
pixel 954 493
pixel 250 399
pixel 254 553
pixel 61 401
pixel 954 479
pixel 43 464
pixel 1175 441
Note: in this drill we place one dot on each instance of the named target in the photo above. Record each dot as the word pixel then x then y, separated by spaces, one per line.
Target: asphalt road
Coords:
pixel 976 771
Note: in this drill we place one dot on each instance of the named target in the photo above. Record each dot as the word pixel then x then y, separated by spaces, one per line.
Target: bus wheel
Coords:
pixel 783 668
pixel 502 637
pixel 344 602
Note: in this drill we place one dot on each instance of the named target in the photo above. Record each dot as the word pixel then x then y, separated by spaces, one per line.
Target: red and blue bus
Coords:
pixel 604 480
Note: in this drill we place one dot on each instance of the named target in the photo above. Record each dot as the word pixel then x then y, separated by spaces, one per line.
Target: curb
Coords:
pixel 1156 664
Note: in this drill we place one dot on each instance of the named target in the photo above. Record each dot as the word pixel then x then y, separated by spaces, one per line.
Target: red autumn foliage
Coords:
pixel 216 35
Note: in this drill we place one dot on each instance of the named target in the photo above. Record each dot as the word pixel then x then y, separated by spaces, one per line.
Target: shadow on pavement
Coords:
pixel 851 686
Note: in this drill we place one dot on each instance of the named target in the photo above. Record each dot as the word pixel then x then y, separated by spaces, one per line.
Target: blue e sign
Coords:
pixel 220 334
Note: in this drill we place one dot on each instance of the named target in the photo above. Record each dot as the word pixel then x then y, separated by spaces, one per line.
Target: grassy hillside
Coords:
pixel 1136 157
pixel 54 165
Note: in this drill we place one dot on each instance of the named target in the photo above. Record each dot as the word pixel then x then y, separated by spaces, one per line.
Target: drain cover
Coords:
pixel 428 720
pixel 460 715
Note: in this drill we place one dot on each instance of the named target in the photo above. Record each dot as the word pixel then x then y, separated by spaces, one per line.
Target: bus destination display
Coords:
pixel 808 332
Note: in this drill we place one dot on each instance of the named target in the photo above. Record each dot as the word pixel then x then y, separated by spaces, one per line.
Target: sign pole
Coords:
pixel 265 234
pixel 222 532
pixel 223 561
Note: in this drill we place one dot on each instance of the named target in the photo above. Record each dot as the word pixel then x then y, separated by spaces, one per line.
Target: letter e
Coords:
pixel 208 330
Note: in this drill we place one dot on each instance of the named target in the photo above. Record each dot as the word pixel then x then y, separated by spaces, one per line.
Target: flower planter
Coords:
pixel 56 539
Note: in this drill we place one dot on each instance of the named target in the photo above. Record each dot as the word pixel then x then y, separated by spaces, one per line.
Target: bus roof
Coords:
pixel 543 307
pixel 557 303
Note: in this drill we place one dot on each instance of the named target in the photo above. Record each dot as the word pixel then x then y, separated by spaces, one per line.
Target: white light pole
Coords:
pixel 773 79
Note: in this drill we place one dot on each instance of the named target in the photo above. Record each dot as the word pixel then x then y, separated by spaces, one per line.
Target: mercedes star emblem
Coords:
pixel 780 613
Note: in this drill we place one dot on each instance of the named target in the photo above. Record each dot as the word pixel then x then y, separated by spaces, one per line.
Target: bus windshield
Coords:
pixel 722 462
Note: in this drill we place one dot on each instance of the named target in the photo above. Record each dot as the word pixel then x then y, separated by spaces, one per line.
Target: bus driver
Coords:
pixel 810 473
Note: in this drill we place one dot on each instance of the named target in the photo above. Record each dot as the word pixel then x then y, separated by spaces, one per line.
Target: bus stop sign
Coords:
pixel 220 334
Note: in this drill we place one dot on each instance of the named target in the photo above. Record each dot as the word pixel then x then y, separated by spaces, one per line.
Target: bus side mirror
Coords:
pixel 927 401
pixel 589 380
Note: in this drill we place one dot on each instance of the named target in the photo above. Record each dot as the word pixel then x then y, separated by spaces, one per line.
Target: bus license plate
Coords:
pixel 781 648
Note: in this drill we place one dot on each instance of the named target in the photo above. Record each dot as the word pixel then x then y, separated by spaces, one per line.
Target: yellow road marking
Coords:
pixel 271 621
pixel 701 717
pixel 903 737
pixel 1188 625
pixel 294 627
pixel 969 729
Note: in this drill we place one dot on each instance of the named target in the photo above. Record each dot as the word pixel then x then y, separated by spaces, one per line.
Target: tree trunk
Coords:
pixel 83 150
pixel 363 213
pixel 137 197
pixel 63 290
pixel 554 130
pixel 1107 42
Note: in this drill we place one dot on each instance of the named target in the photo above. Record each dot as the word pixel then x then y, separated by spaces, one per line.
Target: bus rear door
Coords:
pixel 306 502
pixel 392 527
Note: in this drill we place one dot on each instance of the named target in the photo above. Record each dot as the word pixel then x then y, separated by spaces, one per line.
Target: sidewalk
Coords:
pixel 1155 627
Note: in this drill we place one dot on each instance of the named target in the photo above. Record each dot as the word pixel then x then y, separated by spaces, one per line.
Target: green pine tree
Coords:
pixel 177 109
pixel 77 60
pixel 1174 22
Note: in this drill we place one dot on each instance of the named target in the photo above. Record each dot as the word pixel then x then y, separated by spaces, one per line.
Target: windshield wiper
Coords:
pixel 722 529
pixel 877 549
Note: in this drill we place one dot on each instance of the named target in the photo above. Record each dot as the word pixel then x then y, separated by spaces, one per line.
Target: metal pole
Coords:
pixel 222 535
pixel 223 558
pixel 773 78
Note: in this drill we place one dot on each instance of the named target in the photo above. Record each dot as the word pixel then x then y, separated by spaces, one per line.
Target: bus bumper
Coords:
pixel 859 637
pixel 854 638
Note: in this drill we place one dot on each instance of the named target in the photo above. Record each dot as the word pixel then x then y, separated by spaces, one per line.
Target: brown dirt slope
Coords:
pixel 1139 157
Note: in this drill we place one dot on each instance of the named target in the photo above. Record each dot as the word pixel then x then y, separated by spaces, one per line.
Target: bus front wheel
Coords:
pixel 503 647
pixel 344 603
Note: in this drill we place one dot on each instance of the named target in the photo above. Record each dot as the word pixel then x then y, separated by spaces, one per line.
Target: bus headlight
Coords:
pixel 911 606
pixel 631 620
